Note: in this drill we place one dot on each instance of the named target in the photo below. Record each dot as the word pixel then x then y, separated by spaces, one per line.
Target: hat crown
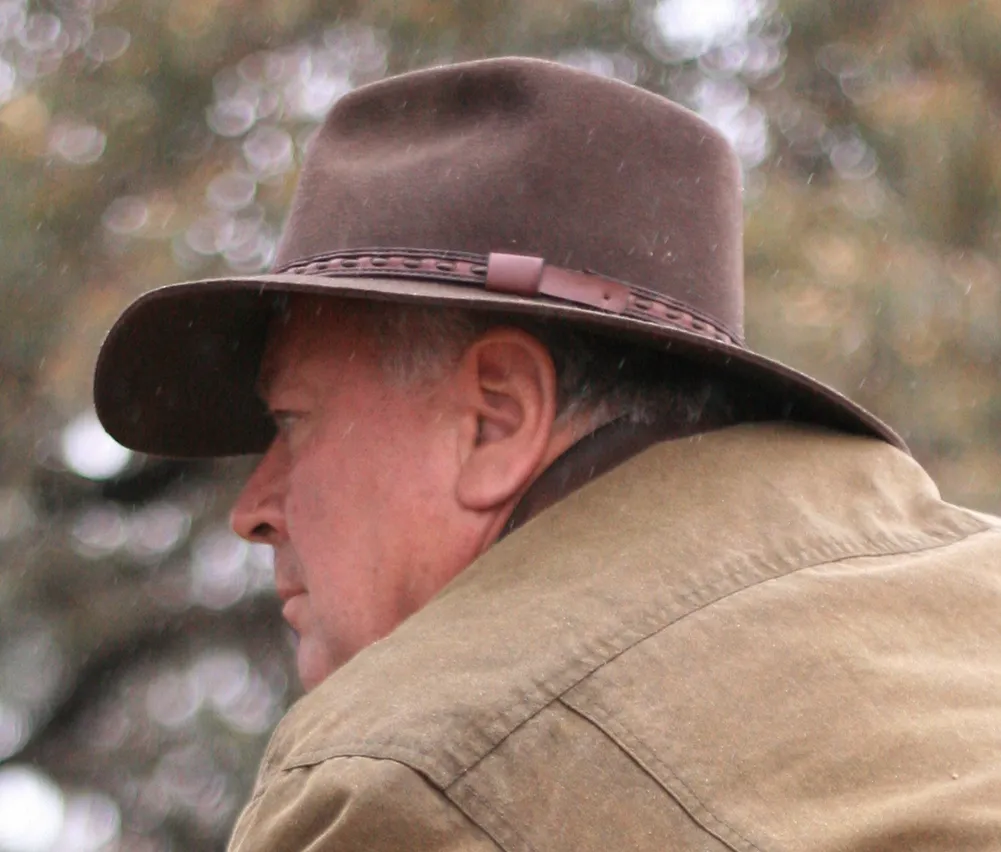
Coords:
pixel 529 157
pixel 508 185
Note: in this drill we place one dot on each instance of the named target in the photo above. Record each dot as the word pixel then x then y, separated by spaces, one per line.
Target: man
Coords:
pixel 571 566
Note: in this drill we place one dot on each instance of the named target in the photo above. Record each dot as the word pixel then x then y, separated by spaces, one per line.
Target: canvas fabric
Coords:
pixel 771 637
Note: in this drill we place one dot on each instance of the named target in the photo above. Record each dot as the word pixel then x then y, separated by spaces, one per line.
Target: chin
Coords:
pixel 313 668
pixel 310 680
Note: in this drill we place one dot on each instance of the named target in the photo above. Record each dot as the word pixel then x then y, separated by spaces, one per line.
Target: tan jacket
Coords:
pixel 766 638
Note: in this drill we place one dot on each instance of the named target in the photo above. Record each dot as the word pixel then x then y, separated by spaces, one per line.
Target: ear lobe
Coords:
pixel 511 405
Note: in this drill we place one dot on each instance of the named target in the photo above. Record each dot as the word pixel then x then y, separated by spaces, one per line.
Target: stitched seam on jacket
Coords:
pixel 498 822
pixel 732 576
pixel 659 614
pixel 619 739
pixel 494 827
pixel 253 805
pixel 643 754
pixel 645 758
pixel 760 581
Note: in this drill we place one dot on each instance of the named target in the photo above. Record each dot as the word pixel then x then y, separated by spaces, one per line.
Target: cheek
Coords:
pixel 334 509
pixel 376 492
pixel 317 479
pixel 305 502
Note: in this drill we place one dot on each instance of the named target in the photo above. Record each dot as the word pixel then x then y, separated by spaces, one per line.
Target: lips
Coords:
pixel 294 609
pixel 290 590
pixel 287 583
pixel 287 593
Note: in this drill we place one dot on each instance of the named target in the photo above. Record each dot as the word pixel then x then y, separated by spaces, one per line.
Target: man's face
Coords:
pixel 356 493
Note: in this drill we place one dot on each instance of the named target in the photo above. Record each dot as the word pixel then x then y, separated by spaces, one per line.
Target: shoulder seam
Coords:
pixel 637 751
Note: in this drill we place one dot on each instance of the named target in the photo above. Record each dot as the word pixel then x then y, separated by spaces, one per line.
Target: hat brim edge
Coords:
pixel 123 352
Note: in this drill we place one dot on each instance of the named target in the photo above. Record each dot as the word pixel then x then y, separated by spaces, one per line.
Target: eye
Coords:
pixel 285 420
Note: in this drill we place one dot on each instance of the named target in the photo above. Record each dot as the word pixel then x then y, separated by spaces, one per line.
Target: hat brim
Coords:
pixel 177 373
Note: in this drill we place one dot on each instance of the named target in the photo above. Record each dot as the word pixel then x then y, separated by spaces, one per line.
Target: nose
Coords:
pixel 258 515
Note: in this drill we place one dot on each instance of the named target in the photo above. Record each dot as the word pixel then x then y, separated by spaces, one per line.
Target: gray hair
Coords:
pixel 595 374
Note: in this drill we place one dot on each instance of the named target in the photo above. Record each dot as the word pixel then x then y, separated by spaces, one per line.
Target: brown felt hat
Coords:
pixel 510 185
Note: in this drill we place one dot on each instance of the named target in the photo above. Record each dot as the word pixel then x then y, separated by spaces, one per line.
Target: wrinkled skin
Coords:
pixel 374 494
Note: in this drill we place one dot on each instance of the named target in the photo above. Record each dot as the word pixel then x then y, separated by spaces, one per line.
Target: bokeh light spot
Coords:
pixel 219 576
pixel 40 32
pixel 15 728
pixel 90 452
pixel 173 699
pixel 16 513
pixel 126 215
pixel 269 151
pixel 108 44
pixel 156 530
pixel 691 27
pixel 98 531
pixel 231 191
pixel 77 143
pixel 32 810
pixel 32 666
pixel 91 822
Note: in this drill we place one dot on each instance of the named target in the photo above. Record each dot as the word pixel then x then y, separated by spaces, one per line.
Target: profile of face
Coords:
pixel 376 492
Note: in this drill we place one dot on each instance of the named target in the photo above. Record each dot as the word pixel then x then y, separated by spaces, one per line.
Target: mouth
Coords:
pixel 289 593
pixel 289 589
pixel 287 582
pixel 292 610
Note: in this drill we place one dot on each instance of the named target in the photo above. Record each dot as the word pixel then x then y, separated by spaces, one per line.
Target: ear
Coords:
pixel 508 408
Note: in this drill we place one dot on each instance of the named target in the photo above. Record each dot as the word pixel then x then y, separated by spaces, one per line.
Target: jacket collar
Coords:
pixel 595 454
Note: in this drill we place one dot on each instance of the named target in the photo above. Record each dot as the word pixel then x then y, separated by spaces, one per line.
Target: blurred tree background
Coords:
pixel 142 658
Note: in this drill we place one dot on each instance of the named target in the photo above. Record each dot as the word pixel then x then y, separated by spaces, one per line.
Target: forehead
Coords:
pixel 311 332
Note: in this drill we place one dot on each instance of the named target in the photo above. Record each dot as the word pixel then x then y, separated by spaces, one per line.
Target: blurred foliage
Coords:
pixel 142 658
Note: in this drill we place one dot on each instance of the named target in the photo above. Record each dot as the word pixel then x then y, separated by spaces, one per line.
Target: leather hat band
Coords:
pixel 519 275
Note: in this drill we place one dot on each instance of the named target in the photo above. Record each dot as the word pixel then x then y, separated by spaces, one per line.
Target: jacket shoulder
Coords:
pixel 841 706
pixel 354 804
